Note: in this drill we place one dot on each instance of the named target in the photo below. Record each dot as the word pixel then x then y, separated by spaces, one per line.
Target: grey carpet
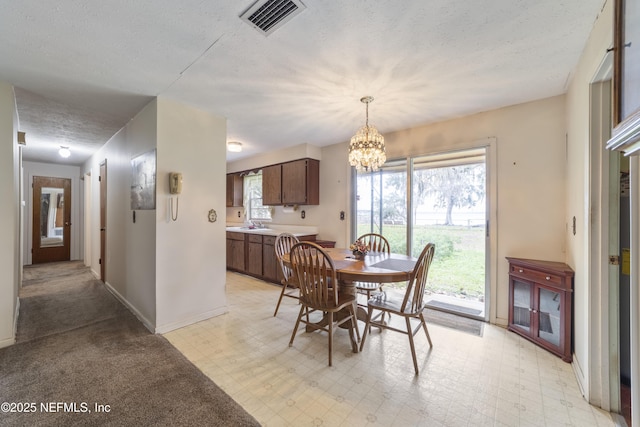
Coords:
pixel 110 359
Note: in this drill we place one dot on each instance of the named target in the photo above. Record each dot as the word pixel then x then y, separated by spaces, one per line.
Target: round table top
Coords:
pixel 379 267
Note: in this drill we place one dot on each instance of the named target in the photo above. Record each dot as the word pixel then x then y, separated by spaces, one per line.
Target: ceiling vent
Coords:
pixel 266 16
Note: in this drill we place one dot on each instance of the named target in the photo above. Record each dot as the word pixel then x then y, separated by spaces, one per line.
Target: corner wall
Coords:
pixel 191 251
pixel 10 262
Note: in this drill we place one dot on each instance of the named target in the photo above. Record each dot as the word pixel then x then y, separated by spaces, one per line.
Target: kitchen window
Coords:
pixel 255 210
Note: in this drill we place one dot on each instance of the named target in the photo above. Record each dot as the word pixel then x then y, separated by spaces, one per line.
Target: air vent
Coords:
pixel 266 16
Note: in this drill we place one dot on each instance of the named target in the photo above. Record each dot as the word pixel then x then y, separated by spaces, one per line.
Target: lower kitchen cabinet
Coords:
pixel 254 254
pixel 235 251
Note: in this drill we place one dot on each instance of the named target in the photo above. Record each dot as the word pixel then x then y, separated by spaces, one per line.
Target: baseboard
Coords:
pixel 195 319
pixel 15 318
pixel 501 322
pixel 95 274
pixel 582 381
pixel 8 342
pixel 131 308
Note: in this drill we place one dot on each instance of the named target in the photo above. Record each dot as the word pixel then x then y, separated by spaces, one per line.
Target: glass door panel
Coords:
pixel 449 209
pixel 381 200
pixel 522 305
pixel 549 305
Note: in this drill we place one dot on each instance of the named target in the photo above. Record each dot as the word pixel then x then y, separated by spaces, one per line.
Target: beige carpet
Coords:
pixel 79 347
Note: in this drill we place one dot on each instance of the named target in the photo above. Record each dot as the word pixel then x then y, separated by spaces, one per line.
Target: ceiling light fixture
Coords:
pixel 64 152
pixel 234 146
pixel 366 150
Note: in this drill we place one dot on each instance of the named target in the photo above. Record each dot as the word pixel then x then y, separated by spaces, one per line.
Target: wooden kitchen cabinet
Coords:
pixel 235 184
pixel 235 251
pixel 291 183
pixel 272 185
pixel 270 266
pixel 541 303
pixel 254 254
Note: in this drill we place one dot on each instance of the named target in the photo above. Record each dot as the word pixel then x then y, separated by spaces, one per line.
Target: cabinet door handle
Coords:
pixel 520 271
pixel 535 311
pixel 548 278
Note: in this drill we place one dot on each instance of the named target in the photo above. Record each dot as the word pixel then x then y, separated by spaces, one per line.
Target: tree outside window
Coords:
pixel 256 211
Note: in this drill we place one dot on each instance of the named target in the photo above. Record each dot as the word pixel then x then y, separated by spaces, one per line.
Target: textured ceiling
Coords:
pixel 83 69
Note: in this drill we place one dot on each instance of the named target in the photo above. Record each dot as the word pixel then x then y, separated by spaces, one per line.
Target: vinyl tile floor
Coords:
pixel 498 379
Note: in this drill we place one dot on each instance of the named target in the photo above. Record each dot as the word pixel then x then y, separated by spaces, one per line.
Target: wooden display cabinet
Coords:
pixel 541 303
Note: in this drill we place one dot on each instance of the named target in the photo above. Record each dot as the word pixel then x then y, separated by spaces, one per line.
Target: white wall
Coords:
pixel 131 248
pixel 191 251
pixel 577 193
pixel 10 214
pixel 31 169
pixel 169 273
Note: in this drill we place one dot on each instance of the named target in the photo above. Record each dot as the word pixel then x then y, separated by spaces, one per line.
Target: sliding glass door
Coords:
pixel 438 198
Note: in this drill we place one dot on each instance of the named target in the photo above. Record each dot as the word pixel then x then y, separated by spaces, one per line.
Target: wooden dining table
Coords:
pixel 378 267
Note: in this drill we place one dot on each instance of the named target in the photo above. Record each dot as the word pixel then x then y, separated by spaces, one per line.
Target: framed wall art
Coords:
pixel 143 181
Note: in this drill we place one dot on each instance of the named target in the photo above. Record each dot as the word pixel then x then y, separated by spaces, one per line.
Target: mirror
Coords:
pixel 51 217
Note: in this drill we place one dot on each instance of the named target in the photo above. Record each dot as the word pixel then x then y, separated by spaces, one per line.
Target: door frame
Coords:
pixel 102 181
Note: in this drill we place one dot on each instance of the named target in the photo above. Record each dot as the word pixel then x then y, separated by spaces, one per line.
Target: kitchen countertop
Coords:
pixel 276 230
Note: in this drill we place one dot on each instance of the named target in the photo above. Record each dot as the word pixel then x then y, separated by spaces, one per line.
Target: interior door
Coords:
pixel 51 219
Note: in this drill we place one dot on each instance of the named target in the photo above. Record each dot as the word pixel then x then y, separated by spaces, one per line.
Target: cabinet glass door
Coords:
pixel 522 305
pixel 549 306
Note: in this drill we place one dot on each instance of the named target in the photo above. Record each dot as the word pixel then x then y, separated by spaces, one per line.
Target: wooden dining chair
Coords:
pixel 290 289
pixel 376 243
pixel 316 277
pixel 410 306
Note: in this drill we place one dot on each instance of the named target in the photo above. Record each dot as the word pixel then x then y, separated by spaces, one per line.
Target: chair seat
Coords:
pixel 392 303
pixel 343 301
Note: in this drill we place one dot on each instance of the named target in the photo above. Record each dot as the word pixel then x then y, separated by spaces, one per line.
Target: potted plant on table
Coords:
pixel 359 249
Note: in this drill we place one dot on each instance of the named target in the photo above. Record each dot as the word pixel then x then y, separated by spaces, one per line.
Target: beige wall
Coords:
pixel 530 172
pixel 191 251
pixel 130 252
pixel 577 201
pixel 169 273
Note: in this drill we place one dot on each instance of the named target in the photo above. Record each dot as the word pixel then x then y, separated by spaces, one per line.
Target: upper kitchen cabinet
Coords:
pixel 292 183
pixel 234 189
pixel 272 185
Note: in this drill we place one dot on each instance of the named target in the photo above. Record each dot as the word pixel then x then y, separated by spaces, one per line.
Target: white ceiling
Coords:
pixel 82 69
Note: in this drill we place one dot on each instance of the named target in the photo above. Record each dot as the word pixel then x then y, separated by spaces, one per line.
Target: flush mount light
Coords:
pixel 64 152
pixel 234 146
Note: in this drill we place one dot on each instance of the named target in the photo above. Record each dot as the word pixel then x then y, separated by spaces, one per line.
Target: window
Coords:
pixel 253 198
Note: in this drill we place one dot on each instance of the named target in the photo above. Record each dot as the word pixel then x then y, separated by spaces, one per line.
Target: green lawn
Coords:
pixel 458 265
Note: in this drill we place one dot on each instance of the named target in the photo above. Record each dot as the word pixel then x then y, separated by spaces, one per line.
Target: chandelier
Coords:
pixel 366 150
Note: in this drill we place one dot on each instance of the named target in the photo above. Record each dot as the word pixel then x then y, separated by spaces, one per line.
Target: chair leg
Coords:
pixel 366 327
pixel 354 326
pixel 424 325
pixel 295 329
pixel 413 347
pixel 330 335
pixel 284 289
